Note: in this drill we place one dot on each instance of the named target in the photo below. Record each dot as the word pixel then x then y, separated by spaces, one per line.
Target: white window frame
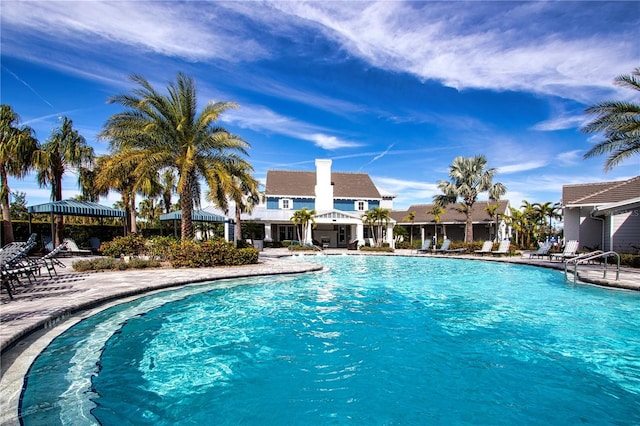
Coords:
pixel 356 206
pixel 288 201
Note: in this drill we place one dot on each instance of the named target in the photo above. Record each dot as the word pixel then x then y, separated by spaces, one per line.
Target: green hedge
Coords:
pixel 210 253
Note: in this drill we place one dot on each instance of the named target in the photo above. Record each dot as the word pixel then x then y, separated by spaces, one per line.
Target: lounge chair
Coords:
pixel 353 245
pixel 49 260
pixel 71 248
pixel 570 249
pixel 543 250
pixel 426 247
pixel 503 248
pixel 486 248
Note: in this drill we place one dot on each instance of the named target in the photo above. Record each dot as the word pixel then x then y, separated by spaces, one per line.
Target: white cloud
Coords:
pixel 521 167
pixel 260 118
pixel 570 157
pixel 448 42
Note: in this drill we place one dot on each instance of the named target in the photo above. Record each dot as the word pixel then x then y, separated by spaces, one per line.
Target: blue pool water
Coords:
pixel 373 340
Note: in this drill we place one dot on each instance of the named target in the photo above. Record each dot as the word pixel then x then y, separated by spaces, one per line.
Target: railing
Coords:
pixel 588 257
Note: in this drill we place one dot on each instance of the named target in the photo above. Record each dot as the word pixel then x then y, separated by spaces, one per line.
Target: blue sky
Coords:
pixel 394 89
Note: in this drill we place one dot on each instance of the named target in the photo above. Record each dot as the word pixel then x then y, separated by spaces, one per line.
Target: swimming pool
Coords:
pixel 372 340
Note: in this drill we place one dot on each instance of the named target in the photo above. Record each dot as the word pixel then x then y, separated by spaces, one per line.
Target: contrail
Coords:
pixel 27 85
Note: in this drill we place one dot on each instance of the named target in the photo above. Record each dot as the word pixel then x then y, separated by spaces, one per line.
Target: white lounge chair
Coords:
pixel 570 249
pixel 486 248
pixel 503 248
pixel 73 249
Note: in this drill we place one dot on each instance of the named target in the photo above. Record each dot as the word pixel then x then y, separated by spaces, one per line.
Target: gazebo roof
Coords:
pixel 76 208
pixel 196 216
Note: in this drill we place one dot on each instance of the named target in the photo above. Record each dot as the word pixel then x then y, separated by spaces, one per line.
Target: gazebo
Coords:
pixel 74 208
pixel 201 216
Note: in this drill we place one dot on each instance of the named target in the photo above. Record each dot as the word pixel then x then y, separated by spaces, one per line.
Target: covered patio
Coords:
pixel 74 208
pixel 202 216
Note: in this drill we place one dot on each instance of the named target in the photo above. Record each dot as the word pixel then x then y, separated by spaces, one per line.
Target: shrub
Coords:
pixel 190 254
pixel 632 260
pixel 109 264
pixel 131 245
pixel 161 247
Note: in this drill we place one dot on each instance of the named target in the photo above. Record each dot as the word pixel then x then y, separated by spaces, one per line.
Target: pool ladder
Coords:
pixel 588 257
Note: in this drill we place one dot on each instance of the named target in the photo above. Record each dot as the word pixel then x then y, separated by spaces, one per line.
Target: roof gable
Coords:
pixel 302 184
pixel 601 192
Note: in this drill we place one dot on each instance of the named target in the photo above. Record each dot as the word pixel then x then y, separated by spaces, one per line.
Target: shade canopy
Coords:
pixel 76 208
pixel 196 216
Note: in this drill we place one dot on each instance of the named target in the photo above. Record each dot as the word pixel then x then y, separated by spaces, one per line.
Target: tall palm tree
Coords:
pixel 492 211
pixel 468 178
pixel 304 218
pixel 64 150
pixel 411 217
pixel 380 218
pixel 17 146
pixel 619 122
pixel 436 211
pixel 241 188
pixel 168 183
pixel 544 211
pixel 166 131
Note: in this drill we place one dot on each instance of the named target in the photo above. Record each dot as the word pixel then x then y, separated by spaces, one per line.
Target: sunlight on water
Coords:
pixel 371 340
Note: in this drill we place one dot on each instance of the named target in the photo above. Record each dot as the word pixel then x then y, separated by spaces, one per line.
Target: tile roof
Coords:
pixel 302 184
pixel 601 192
pixel 451 215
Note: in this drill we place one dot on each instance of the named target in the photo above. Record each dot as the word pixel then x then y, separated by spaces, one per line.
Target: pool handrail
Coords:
pixel 587 257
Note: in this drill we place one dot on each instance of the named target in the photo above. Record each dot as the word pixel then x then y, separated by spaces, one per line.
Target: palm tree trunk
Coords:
pixel 6 213
pixel 59 218
pixel 186 205
pixel 238 229
pixel 469 229
pixel 134 225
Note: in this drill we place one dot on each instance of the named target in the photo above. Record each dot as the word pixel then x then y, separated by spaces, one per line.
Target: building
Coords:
pixel 604 215
pixel 452 222
pixel 338 198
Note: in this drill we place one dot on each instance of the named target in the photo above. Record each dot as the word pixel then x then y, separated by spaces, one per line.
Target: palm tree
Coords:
pixel 65 149
pixel 436 211
pixel 380 218
pixel 469 178
pixel 411 217
pixel 492 211
pixel 242 189
pixel 303 218
pixel 544 210
pixel 165 131
pixel 17 145
pixel 619 121
pixel 168 183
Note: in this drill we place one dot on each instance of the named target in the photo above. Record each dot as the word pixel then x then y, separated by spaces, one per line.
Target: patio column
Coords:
pixel 267 232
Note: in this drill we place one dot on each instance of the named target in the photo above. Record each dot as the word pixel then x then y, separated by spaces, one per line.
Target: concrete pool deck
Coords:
pixel 37 308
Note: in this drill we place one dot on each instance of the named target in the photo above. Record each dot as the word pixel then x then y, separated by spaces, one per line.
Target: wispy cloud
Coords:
pixel 259 118
pixel 444 42
pixel 27 85
pixel 522 167
pixel 560 123
pixel 570 157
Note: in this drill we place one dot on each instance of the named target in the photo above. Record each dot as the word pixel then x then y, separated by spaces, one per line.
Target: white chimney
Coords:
pixel 324 186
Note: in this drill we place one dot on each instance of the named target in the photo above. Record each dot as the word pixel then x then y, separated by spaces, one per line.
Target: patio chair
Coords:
pixel 353 245
pixel 94 242
pixel 486 248
pixel 503 248
pixel 444 247
pixel 570 249
pixel 543 250
pixel 49 260
pixel 73 249
pixel 426 247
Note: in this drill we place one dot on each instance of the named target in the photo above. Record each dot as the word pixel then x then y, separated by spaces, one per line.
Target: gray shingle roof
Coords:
pixel 601 192
pixel 451 215
pixel 302 184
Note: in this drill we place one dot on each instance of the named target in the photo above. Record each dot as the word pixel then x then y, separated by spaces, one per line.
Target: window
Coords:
pixel 286 204
pixel 361 206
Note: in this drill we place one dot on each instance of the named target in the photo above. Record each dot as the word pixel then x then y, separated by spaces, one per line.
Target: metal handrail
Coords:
pixel 586 257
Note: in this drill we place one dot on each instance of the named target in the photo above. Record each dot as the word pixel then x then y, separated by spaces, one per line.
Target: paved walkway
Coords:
pixel 37 308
